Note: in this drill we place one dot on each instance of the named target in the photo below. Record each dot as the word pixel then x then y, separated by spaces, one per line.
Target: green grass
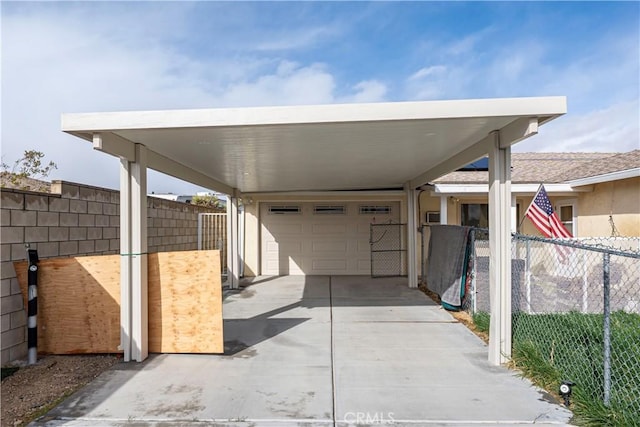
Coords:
pixel 549 348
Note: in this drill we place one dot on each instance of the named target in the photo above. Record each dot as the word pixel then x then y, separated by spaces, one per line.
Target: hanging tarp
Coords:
pixel 448 261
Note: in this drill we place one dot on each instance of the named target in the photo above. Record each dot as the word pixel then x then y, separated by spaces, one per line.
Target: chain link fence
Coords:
pixel 575 314
pixel 388 250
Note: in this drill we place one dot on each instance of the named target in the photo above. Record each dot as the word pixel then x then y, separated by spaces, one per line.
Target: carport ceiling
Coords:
pixel 320 147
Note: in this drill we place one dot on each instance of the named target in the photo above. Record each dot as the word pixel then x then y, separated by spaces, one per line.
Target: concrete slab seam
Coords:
pixel 206 421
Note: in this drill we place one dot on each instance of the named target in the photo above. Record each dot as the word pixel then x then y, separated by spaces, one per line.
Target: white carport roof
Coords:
pixel 312 148
pixel 318 147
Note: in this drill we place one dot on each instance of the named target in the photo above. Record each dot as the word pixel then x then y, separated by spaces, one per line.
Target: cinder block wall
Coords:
pixel 74 220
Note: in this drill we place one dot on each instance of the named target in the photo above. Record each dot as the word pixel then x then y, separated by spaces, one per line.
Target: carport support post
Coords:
pixel 134 322
pixel 125 258
pixel 232 243
pixel 500 250
pixel 412 227
pixel 444 212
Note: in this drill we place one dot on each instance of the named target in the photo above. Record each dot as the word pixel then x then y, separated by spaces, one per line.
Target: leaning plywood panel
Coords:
pixel 185 302
pixel 78 304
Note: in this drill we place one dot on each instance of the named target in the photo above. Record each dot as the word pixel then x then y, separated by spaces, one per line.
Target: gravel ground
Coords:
pixel 33 390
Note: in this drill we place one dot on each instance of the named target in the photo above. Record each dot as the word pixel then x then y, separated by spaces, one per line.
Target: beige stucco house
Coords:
pixel 595 194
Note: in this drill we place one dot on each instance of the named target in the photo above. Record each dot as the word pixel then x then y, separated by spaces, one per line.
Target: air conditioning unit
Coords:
pixel 433 217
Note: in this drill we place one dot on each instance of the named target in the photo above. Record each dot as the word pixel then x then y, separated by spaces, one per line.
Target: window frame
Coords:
pixel 574 214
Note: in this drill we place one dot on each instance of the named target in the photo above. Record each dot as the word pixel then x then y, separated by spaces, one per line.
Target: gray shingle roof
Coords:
pixel 549 167
pixel 616 163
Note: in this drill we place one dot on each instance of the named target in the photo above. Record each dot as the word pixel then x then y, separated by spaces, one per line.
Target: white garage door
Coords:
pixel 320 238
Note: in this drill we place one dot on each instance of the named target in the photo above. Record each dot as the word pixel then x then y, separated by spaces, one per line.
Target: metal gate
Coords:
pixel 212 234
pixel 388 250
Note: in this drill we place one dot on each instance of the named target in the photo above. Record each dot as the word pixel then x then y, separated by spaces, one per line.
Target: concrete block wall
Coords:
pixel 74 220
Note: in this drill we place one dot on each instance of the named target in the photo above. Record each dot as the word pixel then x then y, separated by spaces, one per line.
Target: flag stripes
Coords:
pixel 547 221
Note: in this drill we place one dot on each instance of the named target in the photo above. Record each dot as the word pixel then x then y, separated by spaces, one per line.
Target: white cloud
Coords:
pixel 63 62
pixel 434 70
pixel 298 39
pixel 77 57
pixel 367 91
pixel 601 86
pixel 290 84
pixel 467 44
pixel 613 129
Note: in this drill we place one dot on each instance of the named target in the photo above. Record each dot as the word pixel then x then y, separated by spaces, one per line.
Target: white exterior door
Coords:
pixel 320 238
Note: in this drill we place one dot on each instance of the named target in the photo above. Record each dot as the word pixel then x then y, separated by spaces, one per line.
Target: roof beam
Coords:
pixel 115 145
pixel 518 130
pixel 118 146
pixel 510 134
pixel 170 167
pixel 476 151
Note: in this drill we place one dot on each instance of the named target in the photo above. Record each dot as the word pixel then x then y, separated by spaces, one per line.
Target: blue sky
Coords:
pixel 93 56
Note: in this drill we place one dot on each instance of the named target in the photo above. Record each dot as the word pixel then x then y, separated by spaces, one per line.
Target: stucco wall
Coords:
pixel 74 219
pixel 621 199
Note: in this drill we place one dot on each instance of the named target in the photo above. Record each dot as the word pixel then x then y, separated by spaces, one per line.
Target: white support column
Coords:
pixel 500 251
pixel 139 283
pixel 444 211
pixel 514 213
pixel 232 243
pixel 412 267
pixel 125 258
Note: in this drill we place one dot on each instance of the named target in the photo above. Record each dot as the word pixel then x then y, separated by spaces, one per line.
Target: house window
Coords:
pixel 566 210
pixel 283 210
pixel 475 215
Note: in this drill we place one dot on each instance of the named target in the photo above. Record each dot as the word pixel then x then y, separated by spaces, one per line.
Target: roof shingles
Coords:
pixel 551 167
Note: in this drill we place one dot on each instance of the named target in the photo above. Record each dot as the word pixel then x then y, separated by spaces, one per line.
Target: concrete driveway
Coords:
pixel 319 351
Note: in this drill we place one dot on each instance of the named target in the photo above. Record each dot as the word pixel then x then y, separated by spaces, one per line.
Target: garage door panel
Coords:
pixel 279 229
pixel 329 265
pixel 364 264
pixel 365 228
pixel 284 265
pixel 331 246
pixel 289 247
pixel 324 229
pixel 364 246
pixel 311 243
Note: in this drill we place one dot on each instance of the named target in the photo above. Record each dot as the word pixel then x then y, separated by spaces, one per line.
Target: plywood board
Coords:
pixel 185 302
pixel 79 303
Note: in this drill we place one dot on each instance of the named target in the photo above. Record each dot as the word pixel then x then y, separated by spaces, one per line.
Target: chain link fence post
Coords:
pixel 606 279
pixel 474 295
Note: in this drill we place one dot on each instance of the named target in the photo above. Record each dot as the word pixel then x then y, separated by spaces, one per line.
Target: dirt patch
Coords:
pixel 32 390
pixel 461 316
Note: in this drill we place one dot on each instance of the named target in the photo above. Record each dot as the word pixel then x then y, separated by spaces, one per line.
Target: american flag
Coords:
pixel 546 220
